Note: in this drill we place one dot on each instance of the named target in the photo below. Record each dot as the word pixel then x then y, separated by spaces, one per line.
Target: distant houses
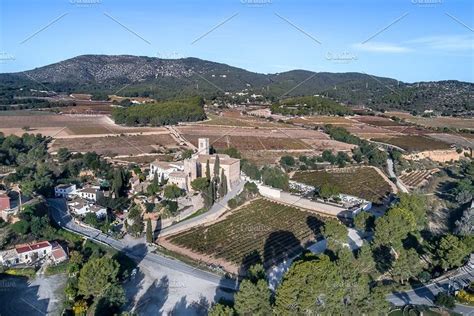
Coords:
pixel 32 252
pixel 82 201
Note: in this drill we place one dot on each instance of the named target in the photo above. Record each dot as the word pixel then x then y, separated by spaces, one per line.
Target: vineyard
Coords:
pixel 262 230
pixel 363 182
pixel 416 178
pixel 413 143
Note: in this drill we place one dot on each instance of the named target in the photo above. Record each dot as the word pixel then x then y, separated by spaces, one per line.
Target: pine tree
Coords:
pixel 149 233
pixel 162 179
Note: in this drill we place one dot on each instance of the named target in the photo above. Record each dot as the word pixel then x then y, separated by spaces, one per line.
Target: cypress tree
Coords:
pixel 208 170
pixel 149 233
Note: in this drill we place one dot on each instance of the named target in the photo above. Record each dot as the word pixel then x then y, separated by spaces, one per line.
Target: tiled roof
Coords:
pixel 30 247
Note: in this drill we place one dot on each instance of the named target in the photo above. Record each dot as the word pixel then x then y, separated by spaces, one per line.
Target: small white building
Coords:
pixel 65 190
pixel 91 193
pixel 179 178
pixel 164 169
pixel 29 253
pixel 81 207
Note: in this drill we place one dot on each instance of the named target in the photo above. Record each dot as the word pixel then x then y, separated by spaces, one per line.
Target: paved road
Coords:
pixel 425 295
pixel 216 210
pixel 135 250
pixel 392 174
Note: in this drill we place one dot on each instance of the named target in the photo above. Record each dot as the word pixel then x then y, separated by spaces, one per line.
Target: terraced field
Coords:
pixel 416 178
pixel 262 229
pixel 364 182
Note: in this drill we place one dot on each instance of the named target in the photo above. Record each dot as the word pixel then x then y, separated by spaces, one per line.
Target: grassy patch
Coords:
pixel 27 272
pixel 57 269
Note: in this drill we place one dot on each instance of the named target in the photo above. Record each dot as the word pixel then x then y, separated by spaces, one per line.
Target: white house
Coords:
pixel 81 207
pixel 92 193
pixel 164 169
pixel 29 253
pixel 65 190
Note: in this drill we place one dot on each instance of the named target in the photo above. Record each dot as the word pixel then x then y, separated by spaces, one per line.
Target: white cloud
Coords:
pixel 445 42
pixel 381 47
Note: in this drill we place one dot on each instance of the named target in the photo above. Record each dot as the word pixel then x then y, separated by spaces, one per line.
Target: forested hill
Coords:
pixel 172 78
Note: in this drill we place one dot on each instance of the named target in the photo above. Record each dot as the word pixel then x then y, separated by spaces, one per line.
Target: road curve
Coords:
pixel 135 251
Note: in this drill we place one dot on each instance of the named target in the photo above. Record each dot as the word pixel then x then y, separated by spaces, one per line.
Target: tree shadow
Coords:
pixel 182 308
pixel 315 224
pixel 154 298
pixel 158 227
pixel 19 297
pixel 383 259
pixel 280 246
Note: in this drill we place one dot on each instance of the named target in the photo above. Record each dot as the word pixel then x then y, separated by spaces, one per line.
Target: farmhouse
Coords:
pixel 92 193
pixel 195 166
pixel 80 206
pixel 64 190
pixel 29 253
pixel 163 169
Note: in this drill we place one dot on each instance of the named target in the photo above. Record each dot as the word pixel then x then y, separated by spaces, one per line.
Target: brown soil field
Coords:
pixel 249 142
pixel 414 143
pixel 67 125
pixel 145 159
pixel 234 118
pixel 441 121
pixel 119 145
pixel 368 132
pixel 465 140
pixel 299 133
pixel 321 120
pixel 376 120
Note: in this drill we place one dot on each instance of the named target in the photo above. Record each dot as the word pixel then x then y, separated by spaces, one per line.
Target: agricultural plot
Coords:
pixel 415 143
pixel 66 125
pixel 417 178
pixel 117 145
pixel 363 182
pixel 232 119
pixel 262 229
pixel 464 140
pixel 376 120
pixel 439 121
pixel 250 143
pixel 321 120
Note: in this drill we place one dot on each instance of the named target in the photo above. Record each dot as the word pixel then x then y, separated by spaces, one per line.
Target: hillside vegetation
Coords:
pixel 161 113
pixel 310 105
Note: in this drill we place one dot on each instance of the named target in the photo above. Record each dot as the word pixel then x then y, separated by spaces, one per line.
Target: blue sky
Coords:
pixel 410 40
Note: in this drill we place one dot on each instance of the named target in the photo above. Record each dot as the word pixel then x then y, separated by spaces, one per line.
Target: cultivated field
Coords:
pixel 417 178
pixel 262 139
pixel 321 120
pixel 261 229
pixel 464 140
pixel 376 120
pixel 442 121
pixel 415 143
pixel 117 145
pixel 62 126
pixel 363 182
pixel 234 118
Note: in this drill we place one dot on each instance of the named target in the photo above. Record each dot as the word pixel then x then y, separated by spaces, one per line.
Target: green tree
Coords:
pixel 21 227
pixel 451 252
pixel 97 276
pixel 217 166
pixel 200 184
pixel 364 221
pixel 393 227
pixel 172 192
pixel 208 171
pixel 221 310
pixel 335 233
pixel 63 154
pixel 406 266
pixel 275 177
pixel 445 300
pixel 253 298
pixel 149 232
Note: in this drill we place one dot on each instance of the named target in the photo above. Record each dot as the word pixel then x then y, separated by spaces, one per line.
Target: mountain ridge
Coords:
pixel 170 78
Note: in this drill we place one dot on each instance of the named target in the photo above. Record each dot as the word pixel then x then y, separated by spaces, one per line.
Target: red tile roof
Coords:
pixel 30 247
